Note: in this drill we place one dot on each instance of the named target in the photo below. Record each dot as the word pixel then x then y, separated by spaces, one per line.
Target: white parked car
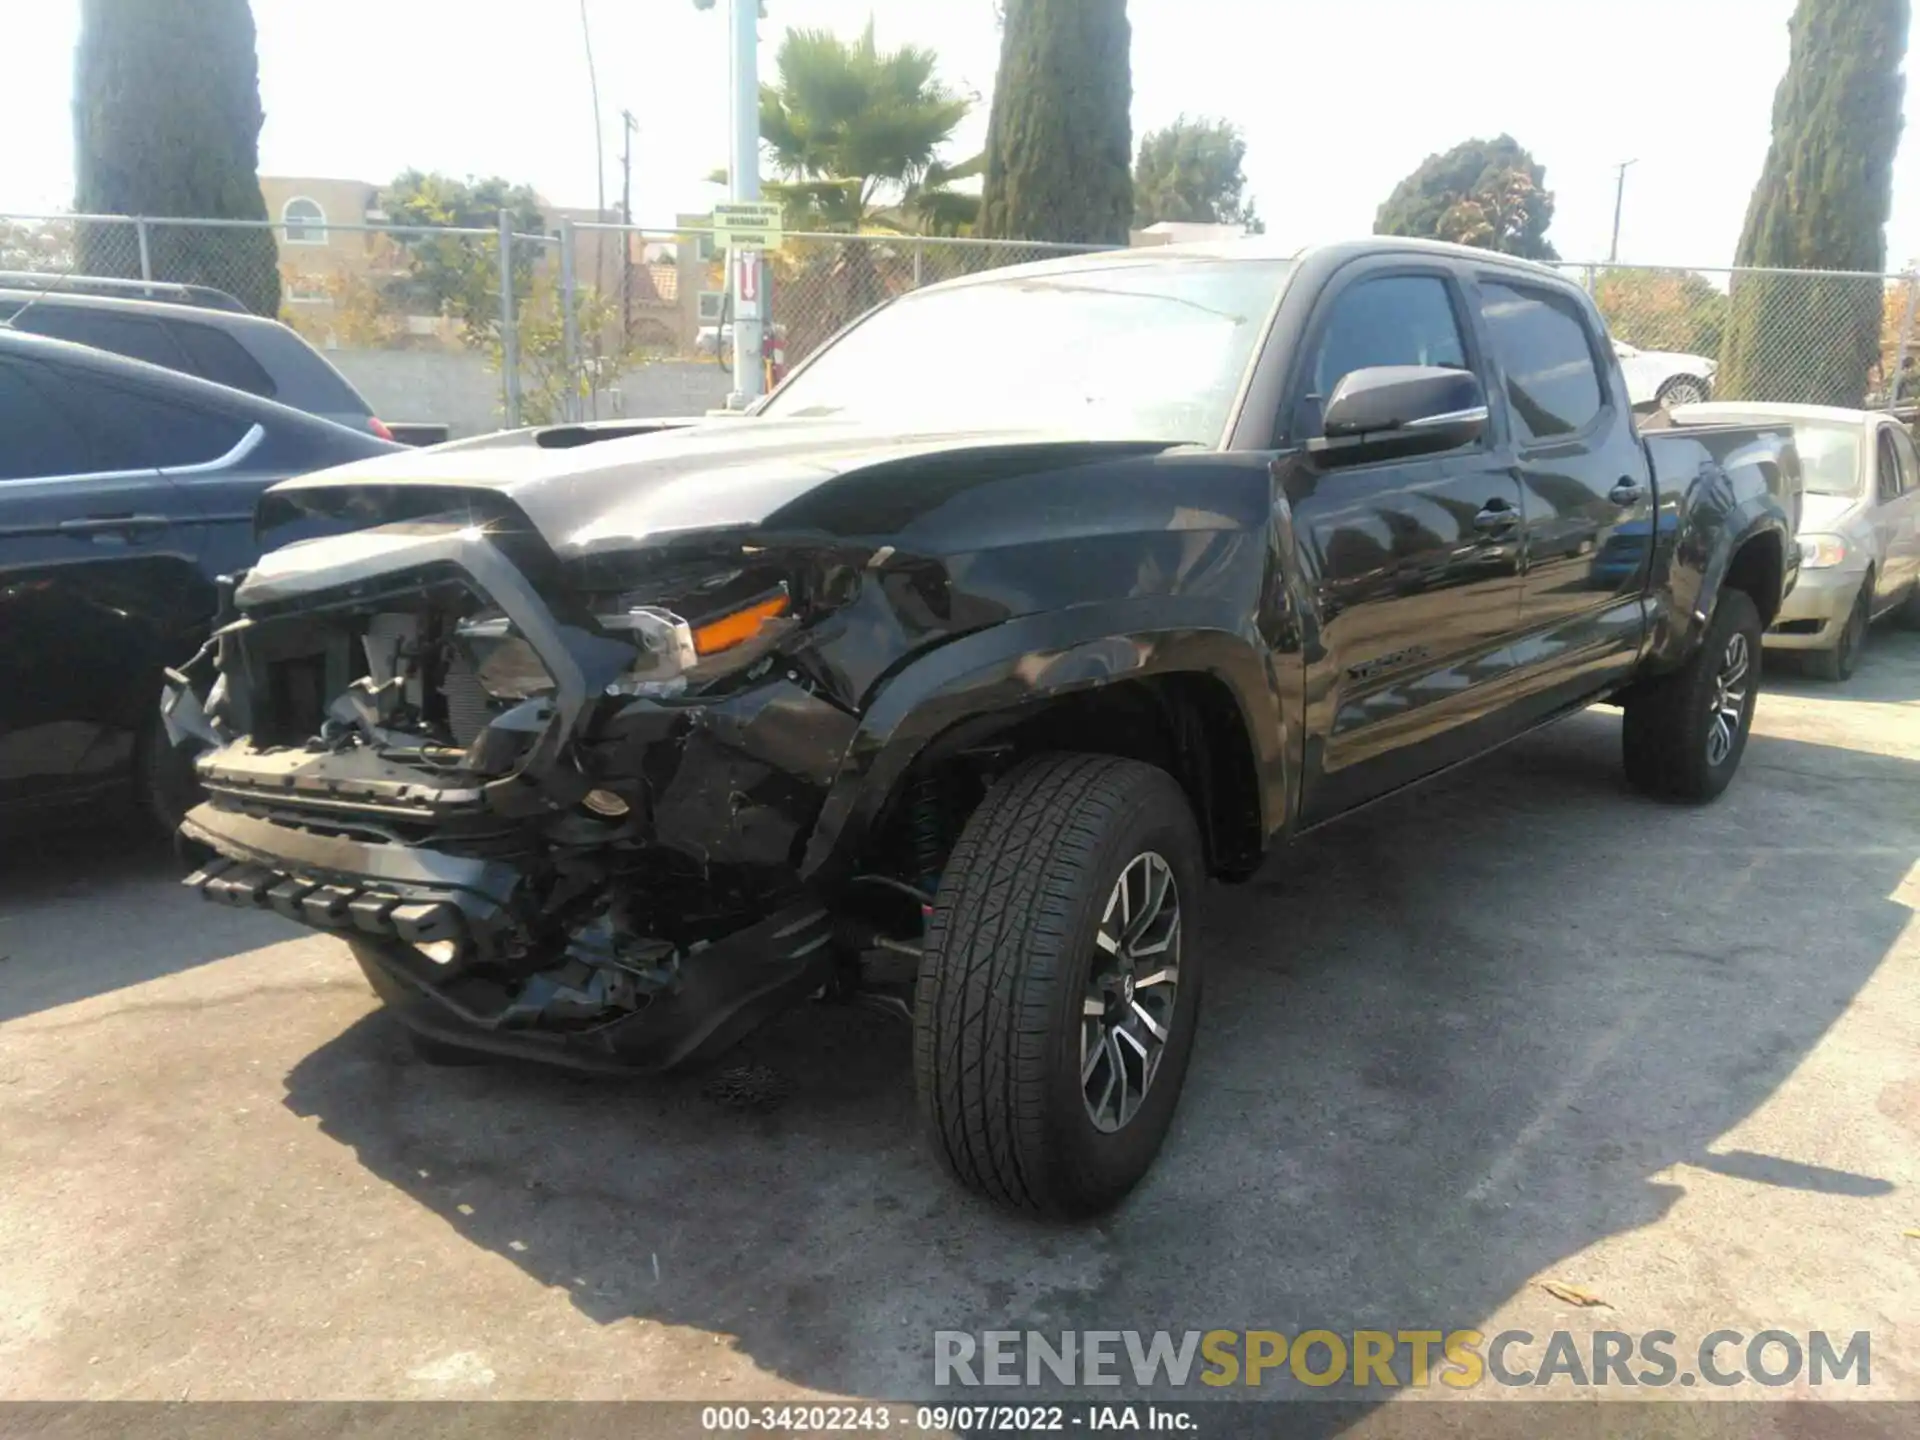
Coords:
pixel 1664 377
pixel 1859 526
pixel 714 339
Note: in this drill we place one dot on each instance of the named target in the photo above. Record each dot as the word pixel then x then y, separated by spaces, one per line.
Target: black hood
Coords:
pixel 635 490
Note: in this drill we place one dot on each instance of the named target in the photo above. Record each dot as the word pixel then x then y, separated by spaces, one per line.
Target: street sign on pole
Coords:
pixel 747 224
pixel 746 282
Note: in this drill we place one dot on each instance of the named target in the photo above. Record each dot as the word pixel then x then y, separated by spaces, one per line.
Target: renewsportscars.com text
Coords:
pixel 1459 1359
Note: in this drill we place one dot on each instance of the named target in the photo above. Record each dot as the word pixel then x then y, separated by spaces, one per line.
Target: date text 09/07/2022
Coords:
pixel 946 1419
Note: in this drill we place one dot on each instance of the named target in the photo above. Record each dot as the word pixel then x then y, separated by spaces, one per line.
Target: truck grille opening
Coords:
pixel 296 697
pixel 436 666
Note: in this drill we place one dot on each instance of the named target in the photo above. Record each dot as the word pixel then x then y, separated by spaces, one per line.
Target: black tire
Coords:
pixel 999 1022
pixel 1843 658
pixel 165 781
pixel 1667 737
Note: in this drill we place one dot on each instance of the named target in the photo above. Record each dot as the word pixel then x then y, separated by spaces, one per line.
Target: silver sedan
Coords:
pixel 1859 527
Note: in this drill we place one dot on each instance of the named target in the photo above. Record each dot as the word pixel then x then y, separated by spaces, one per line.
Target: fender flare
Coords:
pixel 1027 661
pixel 1717 524
pixel 1690 626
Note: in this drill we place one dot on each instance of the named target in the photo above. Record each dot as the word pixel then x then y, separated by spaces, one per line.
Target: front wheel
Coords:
pixel 1839 662
pixel 165 781
pixel 1060 984
pixel 1682 390
pixel 1684 733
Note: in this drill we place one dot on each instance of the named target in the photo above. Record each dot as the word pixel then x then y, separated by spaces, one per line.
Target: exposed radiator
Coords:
pixel 467 708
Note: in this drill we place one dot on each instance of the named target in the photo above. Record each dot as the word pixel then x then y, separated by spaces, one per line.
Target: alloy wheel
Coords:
pixel 1127 1010
pixel 1729 701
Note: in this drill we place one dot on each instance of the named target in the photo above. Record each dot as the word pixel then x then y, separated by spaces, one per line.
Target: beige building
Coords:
pixel 339 290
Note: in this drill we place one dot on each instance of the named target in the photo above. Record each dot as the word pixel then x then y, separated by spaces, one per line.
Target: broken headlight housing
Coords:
pixel 674 651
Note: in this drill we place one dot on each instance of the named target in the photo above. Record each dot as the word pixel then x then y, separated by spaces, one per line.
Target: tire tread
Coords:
pixel 1663 734
pixel 998 938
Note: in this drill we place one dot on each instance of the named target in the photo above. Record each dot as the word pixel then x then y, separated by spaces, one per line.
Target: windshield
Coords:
pixel 1137 351
pixel 1829 458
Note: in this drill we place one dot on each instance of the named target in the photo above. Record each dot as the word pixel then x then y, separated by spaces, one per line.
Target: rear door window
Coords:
pixel 134 336
pixel 132 428
pixel 42 438
pixel 220 358
pixel 1909 462
pixel 1546 355
pixel 1887 468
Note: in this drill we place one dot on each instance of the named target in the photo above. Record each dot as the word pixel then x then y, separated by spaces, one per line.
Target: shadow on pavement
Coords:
pixel 1889 672
pixel 87 911
pixel 1448 1043
pixel 1772 1170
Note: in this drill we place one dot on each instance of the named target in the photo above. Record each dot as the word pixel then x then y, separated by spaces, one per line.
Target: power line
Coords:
pixel 599 142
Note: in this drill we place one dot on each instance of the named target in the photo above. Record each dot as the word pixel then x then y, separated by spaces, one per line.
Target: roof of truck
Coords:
pixel 1252 247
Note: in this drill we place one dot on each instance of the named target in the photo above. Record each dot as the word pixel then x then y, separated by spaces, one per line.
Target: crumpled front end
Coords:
pixel 565 822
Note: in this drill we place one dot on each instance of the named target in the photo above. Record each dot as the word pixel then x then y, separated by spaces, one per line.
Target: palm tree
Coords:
pixel 855 132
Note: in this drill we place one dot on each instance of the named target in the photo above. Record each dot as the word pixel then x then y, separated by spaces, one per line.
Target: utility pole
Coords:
pixel 1619 196
pixel 748 377
pixel 743 265
pixel 599 145
pixel 626 218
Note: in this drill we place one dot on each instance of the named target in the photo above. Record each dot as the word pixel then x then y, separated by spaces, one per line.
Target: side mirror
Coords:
pixel 1396 411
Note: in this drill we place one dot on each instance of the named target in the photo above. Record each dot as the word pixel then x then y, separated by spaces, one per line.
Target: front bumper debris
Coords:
pixel 407 900
pixel 725 991
pixel 393 892
pixel 595 878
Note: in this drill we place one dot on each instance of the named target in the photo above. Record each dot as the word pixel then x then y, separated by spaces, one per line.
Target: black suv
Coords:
pixel 125 490
pixel 193 330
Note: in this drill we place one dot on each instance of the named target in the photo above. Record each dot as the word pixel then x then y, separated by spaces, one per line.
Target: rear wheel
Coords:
pixel 1060 984
pixel 1839 662
pixel 1684 733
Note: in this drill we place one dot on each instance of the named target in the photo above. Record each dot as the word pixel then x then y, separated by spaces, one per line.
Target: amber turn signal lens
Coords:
pixel 739 627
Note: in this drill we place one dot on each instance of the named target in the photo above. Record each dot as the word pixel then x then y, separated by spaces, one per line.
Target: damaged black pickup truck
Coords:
pixel 947 677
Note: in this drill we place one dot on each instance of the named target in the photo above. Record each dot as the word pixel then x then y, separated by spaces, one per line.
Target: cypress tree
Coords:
pixel 1060 135
pixel 166 122
pixel 1821 204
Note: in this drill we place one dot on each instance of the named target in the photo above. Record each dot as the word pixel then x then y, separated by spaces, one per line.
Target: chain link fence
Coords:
pixel 1784 336
pixel 475 328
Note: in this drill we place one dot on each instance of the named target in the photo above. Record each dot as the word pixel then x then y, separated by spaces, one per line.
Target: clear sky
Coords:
pixel 1338 100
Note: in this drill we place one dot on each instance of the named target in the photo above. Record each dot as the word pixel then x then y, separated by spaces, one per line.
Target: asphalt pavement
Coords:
pixel 1518 1027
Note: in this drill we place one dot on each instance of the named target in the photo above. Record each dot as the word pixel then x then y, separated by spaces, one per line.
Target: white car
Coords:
pixel 712 339
pixel 1859 526
pixel 1664 377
